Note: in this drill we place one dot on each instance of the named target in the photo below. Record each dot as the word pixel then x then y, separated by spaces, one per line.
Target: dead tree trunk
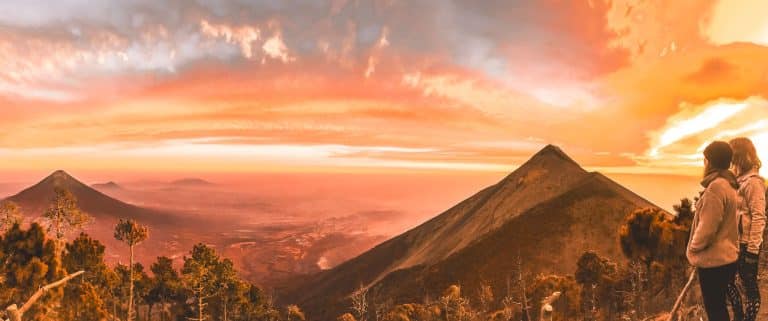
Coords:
pixel 680 298
pixel 16 314
pixel 547 310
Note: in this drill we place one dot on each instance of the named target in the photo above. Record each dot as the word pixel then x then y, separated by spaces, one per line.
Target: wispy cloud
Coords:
pixel 680 143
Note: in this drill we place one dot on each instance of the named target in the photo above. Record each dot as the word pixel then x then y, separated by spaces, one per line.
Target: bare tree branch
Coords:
pixel 16 314
pixel 679 300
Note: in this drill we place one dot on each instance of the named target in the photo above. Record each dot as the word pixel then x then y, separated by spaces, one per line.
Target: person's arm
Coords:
pixel 710 217
pixel 754 194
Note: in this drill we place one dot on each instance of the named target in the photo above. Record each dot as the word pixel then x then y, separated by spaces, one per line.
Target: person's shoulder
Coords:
pixel 755 182
pixel 721 185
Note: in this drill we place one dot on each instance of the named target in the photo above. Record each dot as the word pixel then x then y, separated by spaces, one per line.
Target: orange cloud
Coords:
pixel 628 85
pixel 712 71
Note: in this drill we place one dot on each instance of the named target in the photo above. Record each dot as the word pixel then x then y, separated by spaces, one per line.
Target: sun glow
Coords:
pixel 761 144
pixel 683 125
pixel 687 134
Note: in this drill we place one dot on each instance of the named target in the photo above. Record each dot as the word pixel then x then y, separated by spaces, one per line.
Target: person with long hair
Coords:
pixel 751 211
pixel 713 245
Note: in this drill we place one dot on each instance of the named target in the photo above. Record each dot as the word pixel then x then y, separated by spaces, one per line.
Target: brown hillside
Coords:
pixel 35 199
pixel 549 211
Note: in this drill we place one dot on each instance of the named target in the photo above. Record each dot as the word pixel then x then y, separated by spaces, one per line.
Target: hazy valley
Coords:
pixel 277 225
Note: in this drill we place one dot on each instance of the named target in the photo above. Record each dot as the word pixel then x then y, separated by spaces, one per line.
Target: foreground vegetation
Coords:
pixel 643 286
pixel 206 287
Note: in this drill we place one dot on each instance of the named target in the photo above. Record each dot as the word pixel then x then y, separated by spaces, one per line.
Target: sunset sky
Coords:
pixel 377 86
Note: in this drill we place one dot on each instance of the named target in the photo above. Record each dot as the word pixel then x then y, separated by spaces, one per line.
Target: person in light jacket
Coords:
pixel 713 245
pixel 751 212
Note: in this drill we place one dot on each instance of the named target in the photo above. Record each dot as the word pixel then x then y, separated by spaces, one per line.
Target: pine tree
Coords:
pixel 199 276
pixel 227 278
pixel 63 216
pixel 30 262
pixel 83 302
pixel 132 233
pixel 86 253
pixel 84 298
pixel 252 307
pixel 167 284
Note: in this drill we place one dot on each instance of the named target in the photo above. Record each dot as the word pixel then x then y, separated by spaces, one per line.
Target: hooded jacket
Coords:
pixel 714 231
pixel 751 210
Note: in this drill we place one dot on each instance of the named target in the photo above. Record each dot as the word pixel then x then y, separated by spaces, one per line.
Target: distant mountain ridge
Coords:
pixel 107 186
pixel 191 182
pixel 35 199
pixel 549 211
pixel 170 232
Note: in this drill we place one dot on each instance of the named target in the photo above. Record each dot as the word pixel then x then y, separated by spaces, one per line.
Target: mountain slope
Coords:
pixel 35 199
pixel 546 174
pixel 171 234
pixel 549 211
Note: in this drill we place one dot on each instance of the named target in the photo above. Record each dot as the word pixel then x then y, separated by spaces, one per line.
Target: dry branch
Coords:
pixel 16 314
pixel 679 300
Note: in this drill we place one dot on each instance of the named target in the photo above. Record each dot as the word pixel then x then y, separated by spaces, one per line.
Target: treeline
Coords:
pixel 205 288
pixel 641 287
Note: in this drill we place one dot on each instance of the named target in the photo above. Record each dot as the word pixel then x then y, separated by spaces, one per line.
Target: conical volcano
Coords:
pixel 35 199
pixel 547 212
